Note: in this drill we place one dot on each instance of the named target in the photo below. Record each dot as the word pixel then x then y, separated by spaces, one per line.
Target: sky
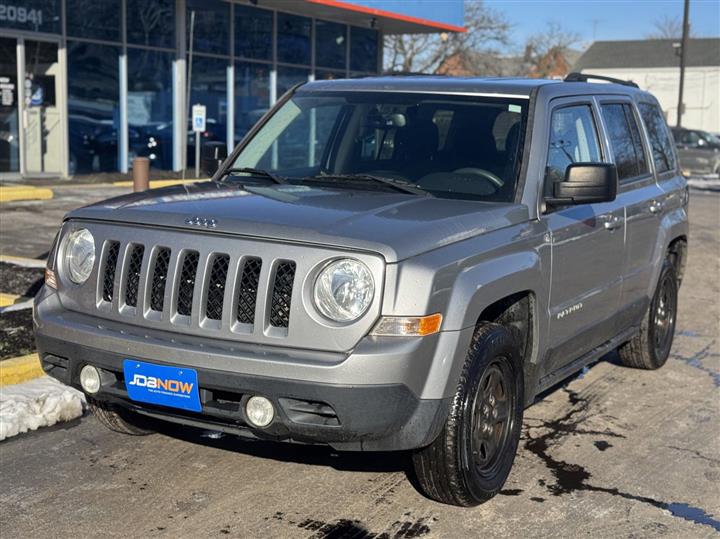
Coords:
pixel 604 19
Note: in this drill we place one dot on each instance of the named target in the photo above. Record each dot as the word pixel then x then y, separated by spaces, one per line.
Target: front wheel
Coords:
pixel 650 347
pixel 118 419
pixel 470 460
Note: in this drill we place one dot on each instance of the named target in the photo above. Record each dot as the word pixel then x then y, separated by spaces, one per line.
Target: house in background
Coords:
pixel 654 64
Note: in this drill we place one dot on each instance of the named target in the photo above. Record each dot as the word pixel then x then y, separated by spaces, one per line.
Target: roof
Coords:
pixel 649 53
pixel 505 87
pixel 387 16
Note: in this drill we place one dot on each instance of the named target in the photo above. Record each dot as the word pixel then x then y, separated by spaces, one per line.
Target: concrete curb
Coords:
pixel 24 262
pixel 24 192
pixel 20 369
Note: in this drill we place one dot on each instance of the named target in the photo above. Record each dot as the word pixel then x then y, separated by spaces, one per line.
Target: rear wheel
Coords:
pixel 118 419
pixel 650 347
pixel 470 460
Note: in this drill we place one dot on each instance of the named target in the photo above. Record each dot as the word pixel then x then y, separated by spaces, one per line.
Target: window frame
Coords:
pixel 667 173
pixel 626 100
pixel 570 102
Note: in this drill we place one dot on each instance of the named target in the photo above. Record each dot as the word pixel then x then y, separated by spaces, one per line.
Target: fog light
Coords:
pixel 90 379
pixel 259 411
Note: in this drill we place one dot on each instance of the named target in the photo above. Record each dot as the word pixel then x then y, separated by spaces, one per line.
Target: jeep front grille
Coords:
pixel 190 275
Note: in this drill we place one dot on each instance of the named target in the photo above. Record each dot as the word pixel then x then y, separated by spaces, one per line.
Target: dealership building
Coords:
pixel 87 85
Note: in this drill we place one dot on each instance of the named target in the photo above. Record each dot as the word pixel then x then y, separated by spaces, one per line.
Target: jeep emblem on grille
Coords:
pixel 201 221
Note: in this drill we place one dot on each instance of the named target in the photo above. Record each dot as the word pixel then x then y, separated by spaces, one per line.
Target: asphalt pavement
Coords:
pixel 613 452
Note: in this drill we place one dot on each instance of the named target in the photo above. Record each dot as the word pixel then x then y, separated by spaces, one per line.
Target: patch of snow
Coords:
pixel 710 183
pixel 41 402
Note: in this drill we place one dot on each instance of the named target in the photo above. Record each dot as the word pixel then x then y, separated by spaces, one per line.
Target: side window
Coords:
pixel 662 147
pixel 625 140
pixel 573 139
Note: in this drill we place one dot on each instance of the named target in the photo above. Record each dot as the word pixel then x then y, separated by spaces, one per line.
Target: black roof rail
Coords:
pixel 585 77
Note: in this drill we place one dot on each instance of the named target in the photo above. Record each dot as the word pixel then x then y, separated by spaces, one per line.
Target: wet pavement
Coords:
pixel 613 452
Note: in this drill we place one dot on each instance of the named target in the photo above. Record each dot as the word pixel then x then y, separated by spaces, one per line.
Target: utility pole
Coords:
pixel 683 57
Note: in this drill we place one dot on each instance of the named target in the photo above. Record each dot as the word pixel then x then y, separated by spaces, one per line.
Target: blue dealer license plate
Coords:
pixel 159 384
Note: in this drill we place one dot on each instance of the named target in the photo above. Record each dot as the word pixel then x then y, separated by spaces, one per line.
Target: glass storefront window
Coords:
pixel 252 95
pixel 32 15
pixel 330 44
pixel 94 19
pixel 321 74
pixel 293 39
pixel 209 88
pixel 212 25
pixel 93 111
pixel 253 33
pixel 151 23
pixel 287 77
pixel 363 49
pixel 150 106
pixel 9 143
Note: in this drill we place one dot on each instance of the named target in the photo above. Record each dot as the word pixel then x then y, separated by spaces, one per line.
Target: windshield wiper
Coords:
pixel 398 185
pixel 257 172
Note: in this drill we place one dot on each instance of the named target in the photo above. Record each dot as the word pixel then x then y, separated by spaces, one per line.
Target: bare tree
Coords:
pixel 546 53
pixel 424 53
pixel 666 28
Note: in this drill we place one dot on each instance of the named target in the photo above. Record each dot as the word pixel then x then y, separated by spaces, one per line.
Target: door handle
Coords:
pixel 613 222
pixel 656 207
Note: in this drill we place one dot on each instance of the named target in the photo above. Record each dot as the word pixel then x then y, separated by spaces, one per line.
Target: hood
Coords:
pixel 396 225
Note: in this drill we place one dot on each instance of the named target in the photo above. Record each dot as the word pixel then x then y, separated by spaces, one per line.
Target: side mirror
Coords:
pixel 211 157
pixel 586 183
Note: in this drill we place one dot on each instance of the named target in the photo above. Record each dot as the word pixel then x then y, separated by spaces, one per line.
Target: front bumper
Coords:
pixel 317 396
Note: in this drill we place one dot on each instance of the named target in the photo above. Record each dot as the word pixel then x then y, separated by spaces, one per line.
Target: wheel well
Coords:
pixel 516 312
pixel 677 252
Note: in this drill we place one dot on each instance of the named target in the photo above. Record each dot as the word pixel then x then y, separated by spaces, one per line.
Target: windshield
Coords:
pixel 442 145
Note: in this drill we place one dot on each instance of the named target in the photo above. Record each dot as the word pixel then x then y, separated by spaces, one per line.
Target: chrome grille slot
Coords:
pixel 216 287
pixel 134 267
pixel 247 290
pixel 186 284
pixel 159 278
pixel 112 252
pixel 282 294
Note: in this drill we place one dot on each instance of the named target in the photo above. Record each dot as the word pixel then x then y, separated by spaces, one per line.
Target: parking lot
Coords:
pixel 613 452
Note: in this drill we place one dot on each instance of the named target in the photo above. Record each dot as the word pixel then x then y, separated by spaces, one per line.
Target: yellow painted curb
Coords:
pixel 154 184
pixel 20 369
pixel 10 193
pixel 7 299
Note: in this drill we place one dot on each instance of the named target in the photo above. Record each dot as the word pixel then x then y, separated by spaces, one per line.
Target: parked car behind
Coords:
pixel 698 151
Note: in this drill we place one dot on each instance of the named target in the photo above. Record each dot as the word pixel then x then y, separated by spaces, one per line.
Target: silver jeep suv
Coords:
pixel 381 264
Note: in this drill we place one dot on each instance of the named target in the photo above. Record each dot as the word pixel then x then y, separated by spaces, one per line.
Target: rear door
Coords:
pixel 587 241
pixel 642 199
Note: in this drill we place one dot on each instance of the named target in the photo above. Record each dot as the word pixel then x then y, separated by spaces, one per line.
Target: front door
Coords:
pixel 42 118
pixel 587 245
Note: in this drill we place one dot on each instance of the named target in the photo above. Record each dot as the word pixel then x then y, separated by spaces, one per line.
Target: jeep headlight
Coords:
pixel 80 255
pixel 344 290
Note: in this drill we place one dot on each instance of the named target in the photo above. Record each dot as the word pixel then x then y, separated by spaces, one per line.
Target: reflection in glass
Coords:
pixel 96 19
pixel 253 32
pixel 150 106
pixel 252 95
pixel 209 88
pixel 31 15
pixel 287 77
pixel 9 144
pixel 321 74
pixel 573 139
pixel 624 140
pixel 662 147
pixel 212 25
pixel 93 112
pixel 363 49
pixel 293 39
pixel 330 44
pixel 151 23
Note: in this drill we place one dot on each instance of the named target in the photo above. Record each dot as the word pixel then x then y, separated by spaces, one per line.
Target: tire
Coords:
pixel 650 347
pixel 470 460
pixel 119 420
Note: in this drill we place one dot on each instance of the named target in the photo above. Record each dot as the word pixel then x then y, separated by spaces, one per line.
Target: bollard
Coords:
pixel 141 173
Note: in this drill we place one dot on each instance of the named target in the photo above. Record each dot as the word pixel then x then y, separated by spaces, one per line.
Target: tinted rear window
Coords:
pixel 625 140
pixel 662 147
